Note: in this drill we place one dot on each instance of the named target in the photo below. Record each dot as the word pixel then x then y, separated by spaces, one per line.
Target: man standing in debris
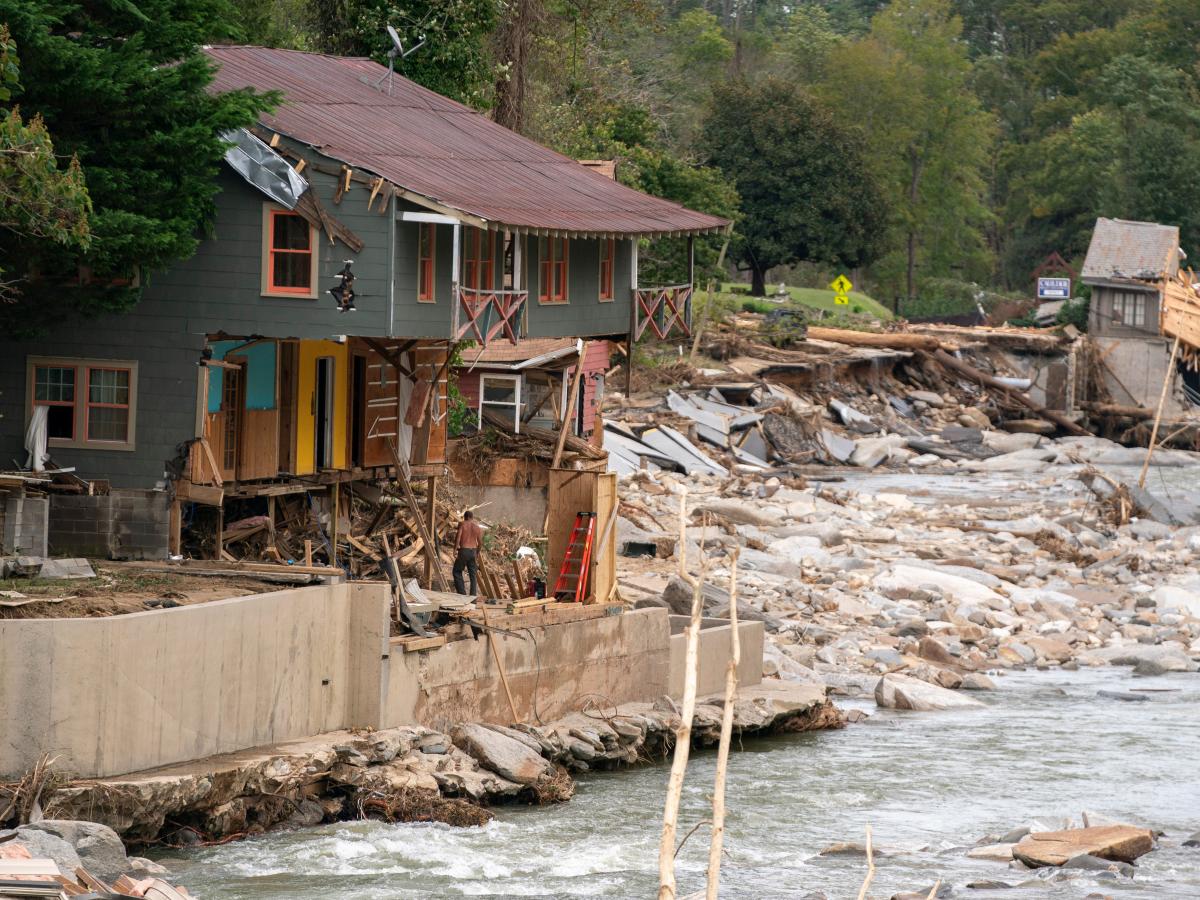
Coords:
pixel 467 543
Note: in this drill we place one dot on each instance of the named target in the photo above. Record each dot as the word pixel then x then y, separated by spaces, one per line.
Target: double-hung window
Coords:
pixel 1129 309
pixel 89 403
pixel 289 255
pixel 552 256
pixel 501 394
pixel 426 248
pixel 479 266
pixel 608 253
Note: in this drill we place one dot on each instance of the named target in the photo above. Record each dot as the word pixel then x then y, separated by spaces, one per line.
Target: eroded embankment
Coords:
pixel 412 773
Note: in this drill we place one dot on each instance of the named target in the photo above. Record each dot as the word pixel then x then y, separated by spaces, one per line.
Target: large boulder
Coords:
pixel 508 758
pixel 901 692
pixel 902 580
pixel 46 845
pixel 97 846
pixel 1123 843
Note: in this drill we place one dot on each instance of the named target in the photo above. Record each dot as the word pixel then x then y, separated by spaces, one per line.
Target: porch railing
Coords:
pixel 486 314
pixel 666 311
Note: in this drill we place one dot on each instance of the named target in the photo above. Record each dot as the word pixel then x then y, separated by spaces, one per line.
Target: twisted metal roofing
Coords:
pixel 434 147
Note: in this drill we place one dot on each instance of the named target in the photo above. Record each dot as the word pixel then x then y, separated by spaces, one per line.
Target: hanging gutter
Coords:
pixel 265 169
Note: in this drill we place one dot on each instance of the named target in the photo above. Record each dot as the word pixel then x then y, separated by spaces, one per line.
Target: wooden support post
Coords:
pixel 499 663
pixel 219 549
pixel 271 518
pixel 633 314
pixel 712 888
pixel 308 552
pixel 1162 399
pixel 431 520
pixel 568 413
pixel 175 529
pixel 333 524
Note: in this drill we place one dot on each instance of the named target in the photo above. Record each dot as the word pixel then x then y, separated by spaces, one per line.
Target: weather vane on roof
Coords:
pixel 397 51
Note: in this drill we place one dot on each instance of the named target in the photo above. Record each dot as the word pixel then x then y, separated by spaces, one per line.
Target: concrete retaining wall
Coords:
pixel 714 654
pixel 617 659
pixel 114 695
pixel 108 696
pixel 23 525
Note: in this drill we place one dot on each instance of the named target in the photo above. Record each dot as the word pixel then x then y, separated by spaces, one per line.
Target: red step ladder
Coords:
pixel 577 560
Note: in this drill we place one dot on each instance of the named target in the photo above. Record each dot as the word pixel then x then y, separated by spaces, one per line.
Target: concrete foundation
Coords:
pixel 522 506
pixel 714 654
pixel 126 524
pixel 1134 369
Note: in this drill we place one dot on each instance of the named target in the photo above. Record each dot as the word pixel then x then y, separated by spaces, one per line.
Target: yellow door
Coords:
pixel 322 413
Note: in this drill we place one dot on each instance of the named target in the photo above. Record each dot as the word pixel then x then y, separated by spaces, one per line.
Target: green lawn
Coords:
pixel 816 298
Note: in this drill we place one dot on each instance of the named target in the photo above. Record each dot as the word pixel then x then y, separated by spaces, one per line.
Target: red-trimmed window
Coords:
pixel 552 256
pixel 54 388
pixel 108 405
pixel 88 403
pixel 290 254
pixel 426 248
pixel 479 260
pixel 608 253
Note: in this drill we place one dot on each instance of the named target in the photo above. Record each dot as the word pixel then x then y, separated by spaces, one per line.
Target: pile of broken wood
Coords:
pixel 23 876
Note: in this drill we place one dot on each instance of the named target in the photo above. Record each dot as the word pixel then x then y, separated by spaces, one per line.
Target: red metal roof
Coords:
pixel 441 150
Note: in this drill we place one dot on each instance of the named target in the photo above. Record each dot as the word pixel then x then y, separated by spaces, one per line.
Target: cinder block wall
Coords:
pixel 126 524
pixel 23 525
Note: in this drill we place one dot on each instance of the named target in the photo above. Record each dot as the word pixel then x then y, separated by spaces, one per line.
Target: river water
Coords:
pixel 929 784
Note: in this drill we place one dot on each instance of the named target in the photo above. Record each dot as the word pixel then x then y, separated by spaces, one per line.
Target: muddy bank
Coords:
pixel 412 773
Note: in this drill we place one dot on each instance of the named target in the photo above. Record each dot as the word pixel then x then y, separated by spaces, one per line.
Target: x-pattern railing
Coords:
pixel 663 309
pixel 488 313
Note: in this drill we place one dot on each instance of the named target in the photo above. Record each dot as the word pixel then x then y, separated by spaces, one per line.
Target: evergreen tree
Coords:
pixel 123 88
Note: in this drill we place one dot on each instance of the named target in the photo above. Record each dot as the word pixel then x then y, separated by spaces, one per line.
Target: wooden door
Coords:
pixel 381 412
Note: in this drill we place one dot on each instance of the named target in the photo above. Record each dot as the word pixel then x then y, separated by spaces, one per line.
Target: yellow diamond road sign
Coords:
pixel 841 285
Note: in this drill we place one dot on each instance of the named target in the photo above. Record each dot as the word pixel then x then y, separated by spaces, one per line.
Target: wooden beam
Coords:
pixel 422 532
pixel 394 357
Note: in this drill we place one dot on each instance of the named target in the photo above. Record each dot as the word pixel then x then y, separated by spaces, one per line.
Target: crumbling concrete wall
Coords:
pixel 23 525
pixel 1134 372
pixel 126 524
pixel 617 659
pixel 114 695
pixel 714 654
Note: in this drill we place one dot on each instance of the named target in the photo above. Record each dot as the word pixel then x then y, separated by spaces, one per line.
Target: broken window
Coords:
pixel 426 244
pixel 89 403
pixel 608 253
pixel 501 394
pixel 1129 308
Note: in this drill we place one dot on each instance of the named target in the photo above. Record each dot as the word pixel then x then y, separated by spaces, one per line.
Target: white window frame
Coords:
pixel 1131 300
pixel 265 262
pixel 82 386
pixel 515 381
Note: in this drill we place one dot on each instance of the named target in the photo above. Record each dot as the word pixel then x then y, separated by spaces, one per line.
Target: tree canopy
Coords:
pixel 806 190
pixel 123 90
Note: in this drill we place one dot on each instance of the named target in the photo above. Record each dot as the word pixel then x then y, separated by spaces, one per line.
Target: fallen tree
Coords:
pixel 1050 415
pixel 888 340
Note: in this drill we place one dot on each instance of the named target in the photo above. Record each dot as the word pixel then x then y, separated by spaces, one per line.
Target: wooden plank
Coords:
pixel 413 644
pixel 191 492
pixel 308 552
pixel 260 445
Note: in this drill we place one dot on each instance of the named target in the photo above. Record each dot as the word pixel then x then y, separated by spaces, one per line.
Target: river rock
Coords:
pixel 47 845
pixel 508 758
pixel 741 512
pixel 1168 596
pixel 1193 840
pixel 1096 864
pixel 995 852
pixel 98 847
pixel 977 681
pixel 935 651
pixel 902 692
pixel 902 580
pixel 1122 843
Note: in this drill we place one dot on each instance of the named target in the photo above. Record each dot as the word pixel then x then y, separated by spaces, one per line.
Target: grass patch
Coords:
pixel 815 298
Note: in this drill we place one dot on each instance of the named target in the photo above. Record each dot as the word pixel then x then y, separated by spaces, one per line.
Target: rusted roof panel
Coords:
pixel 505 353
pixel 1122 250
pixel 440 149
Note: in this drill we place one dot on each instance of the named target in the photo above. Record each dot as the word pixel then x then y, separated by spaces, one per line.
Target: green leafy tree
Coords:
pixel 40 200
pixel 123 89
pixel 455 60
pixel 928 139
pixel 807 193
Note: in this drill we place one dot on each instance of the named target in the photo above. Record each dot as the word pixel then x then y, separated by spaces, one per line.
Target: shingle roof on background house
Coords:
pixel 1125 251
pixel 440 149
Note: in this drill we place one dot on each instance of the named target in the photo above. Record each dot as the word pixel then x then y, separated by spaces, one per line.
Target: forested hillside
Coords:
pixel 932 147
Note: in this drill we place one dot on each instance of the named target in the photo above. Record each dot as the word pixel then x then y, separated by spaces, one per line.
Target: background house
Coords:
pixel 1126 265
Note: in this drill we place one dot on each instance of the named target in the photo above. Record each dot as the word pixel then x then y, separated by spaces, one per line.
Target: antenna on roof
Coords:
pixel 397 50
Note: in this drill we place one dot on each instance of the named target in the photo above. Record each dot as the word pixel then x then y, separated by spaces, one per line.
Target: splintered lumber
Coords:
pixel 528 603
pixel 572 443
pixel 1162 399
pixel 1050 415
pixel 416 642
pixel 568 411
pixel 899 340
pixel 1116 410
pixel 430 546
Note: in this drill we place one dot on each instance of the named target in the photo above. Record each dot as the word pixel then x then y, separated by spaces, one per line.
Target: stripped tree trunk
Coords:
pixel 683 734
pixel 731 686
